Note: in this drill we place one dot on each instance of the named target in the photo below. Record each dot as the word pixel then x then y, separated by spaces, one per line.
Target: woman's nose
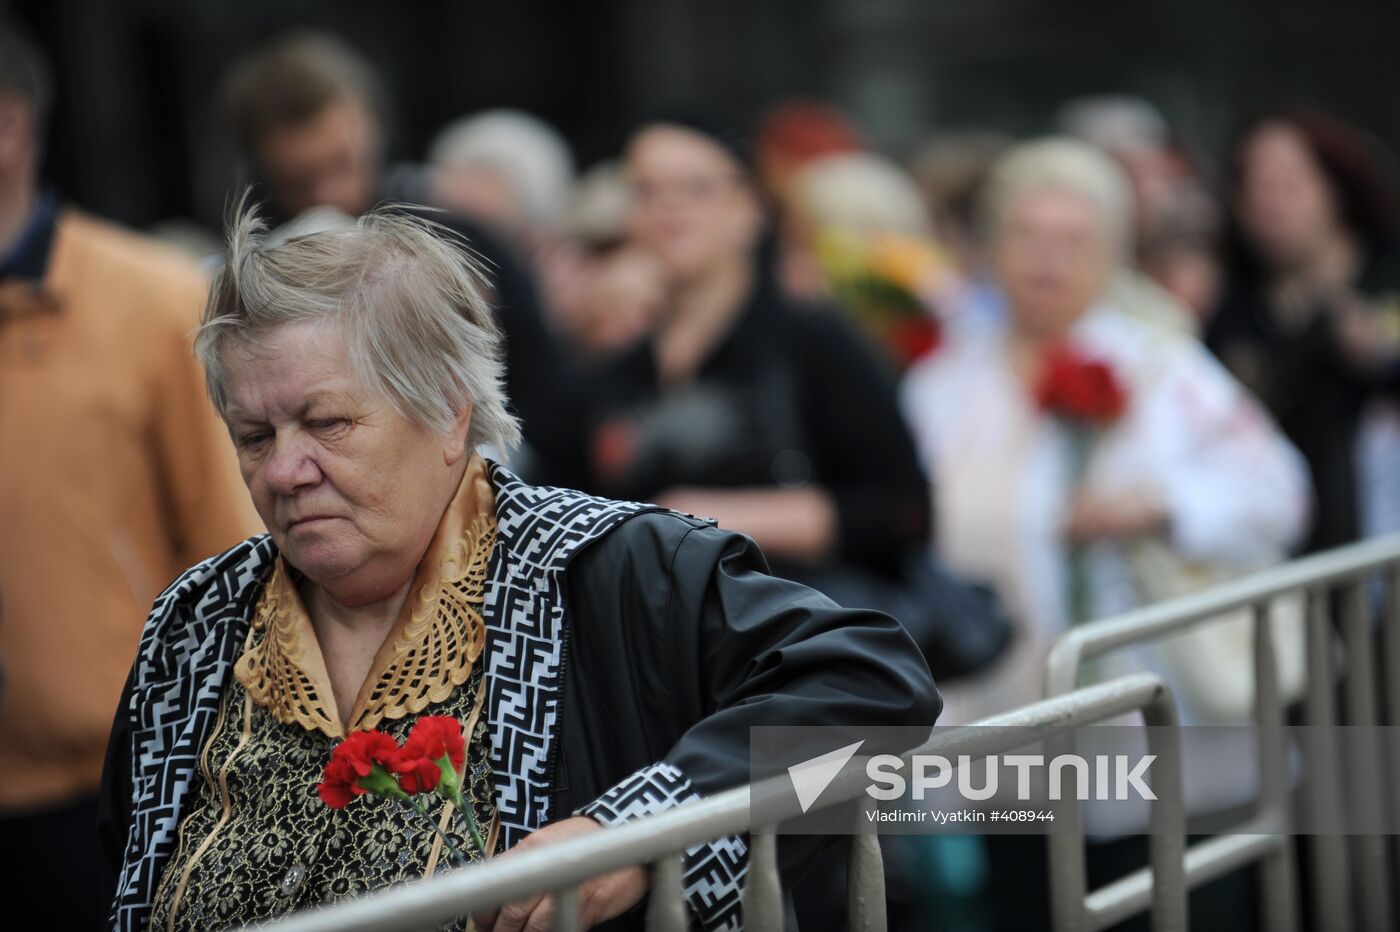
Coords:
pixel 291 466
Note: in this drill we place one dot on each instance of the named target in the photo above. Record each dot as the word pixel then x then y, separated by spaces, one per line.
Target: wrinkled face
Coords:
pixel 693 207
pixel 1285 202
pixel 1053 257
pixel 350 489
pixel 329 160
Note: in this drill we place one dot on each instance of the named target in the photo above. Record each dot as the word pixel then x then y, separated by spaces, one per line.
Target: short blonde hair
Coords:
pixel 863 193
pixel 1062 164
pixel 408 295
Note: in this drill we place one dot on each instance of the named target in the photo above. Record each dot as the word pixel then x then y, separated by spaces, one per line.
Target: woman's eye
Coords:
pixel 327 423
pixel 253 440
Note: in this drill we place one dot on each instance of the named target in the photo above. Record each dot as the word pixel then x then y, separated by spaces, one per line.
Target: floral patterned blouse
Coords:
pixel 257 842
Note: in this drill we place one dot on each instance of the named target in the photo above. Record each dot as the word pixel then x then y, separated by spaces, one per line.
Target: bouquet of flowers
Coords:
pixel 428 762
pixel 887 282
pixel 1086 397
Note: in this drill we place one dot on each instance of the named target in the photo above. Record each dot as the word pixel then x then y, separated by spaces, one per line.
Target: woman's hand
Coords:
pixel 599 899
pixel 1121 516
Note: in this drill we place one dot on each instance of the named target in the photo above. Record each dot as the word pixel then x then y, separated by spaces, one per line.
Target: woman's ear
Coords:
pixel 454 443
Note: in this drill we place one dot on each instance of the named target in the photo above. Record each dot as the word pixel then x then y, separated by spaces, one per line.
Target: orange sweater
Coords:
pixel 114 476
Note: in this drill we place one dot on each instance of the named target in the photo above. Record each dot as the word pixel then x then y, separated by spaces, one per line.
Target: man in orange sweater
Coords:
pixel 114 476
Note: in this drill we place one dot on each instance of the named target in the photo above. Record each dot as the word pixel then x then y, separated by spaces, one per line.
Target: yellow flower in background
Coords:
pixel 883 281
pixel 910 262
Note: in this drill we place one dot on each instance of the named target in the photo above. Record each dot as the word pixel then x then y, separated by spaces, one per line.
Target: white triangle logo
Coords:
pixel 811 777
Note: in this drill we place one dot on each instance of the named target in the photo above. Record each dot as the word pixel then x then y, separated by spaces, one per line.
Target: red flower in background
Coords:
pixel 1077 388
pixel 913 338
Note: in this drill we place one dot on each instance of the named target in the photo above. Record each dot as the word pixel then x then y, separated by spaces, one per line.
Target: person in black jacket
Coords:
pixel 774 418
pixel 1310 320
pixel 604 659
pixel 310 116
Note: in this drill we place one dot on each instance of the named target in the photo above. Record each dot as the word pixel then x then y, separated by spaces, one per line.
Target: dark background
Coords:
pixel 136 138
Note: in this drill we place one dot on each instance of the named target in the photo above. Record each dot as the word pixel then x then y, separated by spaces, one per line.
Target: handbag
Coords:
pixel 1210 665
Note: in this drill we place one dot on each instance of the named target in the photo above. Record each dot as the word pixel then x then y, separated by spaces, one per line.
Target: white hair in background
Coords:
pixel 861 192
pixel 600 204
pixel 524 150
pixel 1067 165
pixel 1117 123
pixel 406 294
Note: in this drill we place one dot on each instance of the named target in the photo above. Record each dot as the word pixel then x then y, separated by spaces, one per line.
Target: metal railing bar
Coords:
pixel 1331 897
pixel 424 904
pixel 1153 621
pixel 865 875
pixel 1277 871
pixel 565 918
pixel 1390 641
pixel 1166 846
pixel 1363 758
pixel 1205 861
pixel 763 888
pixel 503 880
pixel 666 908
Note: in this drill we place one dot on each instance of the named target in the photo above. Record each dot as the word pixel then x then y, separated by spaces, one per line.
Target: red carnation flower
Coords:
pixel 1079 389
pixel 435 736
pixel 417 774
pixel 354 759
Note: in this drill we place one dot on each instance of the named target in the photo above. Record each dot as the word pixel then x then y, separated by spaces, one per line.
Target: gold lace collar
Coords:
pixel 429 652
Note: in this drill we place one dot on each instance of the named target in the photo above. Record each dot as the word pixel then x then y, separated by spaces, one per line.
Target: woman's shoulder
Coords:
pixel 201 603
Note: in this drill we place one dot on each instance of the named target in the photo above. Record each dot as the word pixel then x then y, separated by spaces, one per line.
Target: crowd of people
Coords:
pixel 994 390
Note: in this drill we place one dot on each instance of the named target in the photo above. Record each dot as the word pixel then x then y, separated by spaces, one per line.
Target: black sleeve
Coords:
pixel 688 644
pixel 863 453
pixel 767 651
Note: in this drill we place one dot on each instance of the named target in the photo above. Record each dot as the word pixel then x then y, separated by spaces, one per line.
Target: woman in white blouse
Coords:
pixel 1192 477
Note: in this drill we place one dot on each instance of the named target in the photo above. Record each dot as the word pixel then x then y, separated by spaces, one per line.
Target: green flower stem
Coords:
pixel 464 807
pixel 419 807
pixel 1081 443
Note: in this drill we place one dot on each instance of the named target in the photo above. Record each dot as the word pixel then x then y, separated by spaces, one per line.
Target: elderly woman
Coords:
pixel 1075 518
pixel 1088 460
pixel 607 658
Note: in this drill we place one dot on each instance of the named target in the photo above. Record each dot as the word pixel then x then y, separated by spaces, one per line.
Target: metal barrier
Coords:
pixel 1264 838
pixel 660 840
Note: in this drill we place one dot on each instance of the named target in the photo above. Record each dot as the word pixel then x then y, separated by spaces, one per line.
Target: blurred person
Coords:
pixel 859 235
pixel 774 418
pixel 1192 462
pixel 116 475
pixel 593 661
pixel 506 168
pixel 310 115
pixel 621 297
pixel 1177 219
pixel 950 169
pixel 615 289
pixel 1088 462
pixel 1185 262
pixel 739 406
pixel 1311 316
pixel 795 133
pixel 514 173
